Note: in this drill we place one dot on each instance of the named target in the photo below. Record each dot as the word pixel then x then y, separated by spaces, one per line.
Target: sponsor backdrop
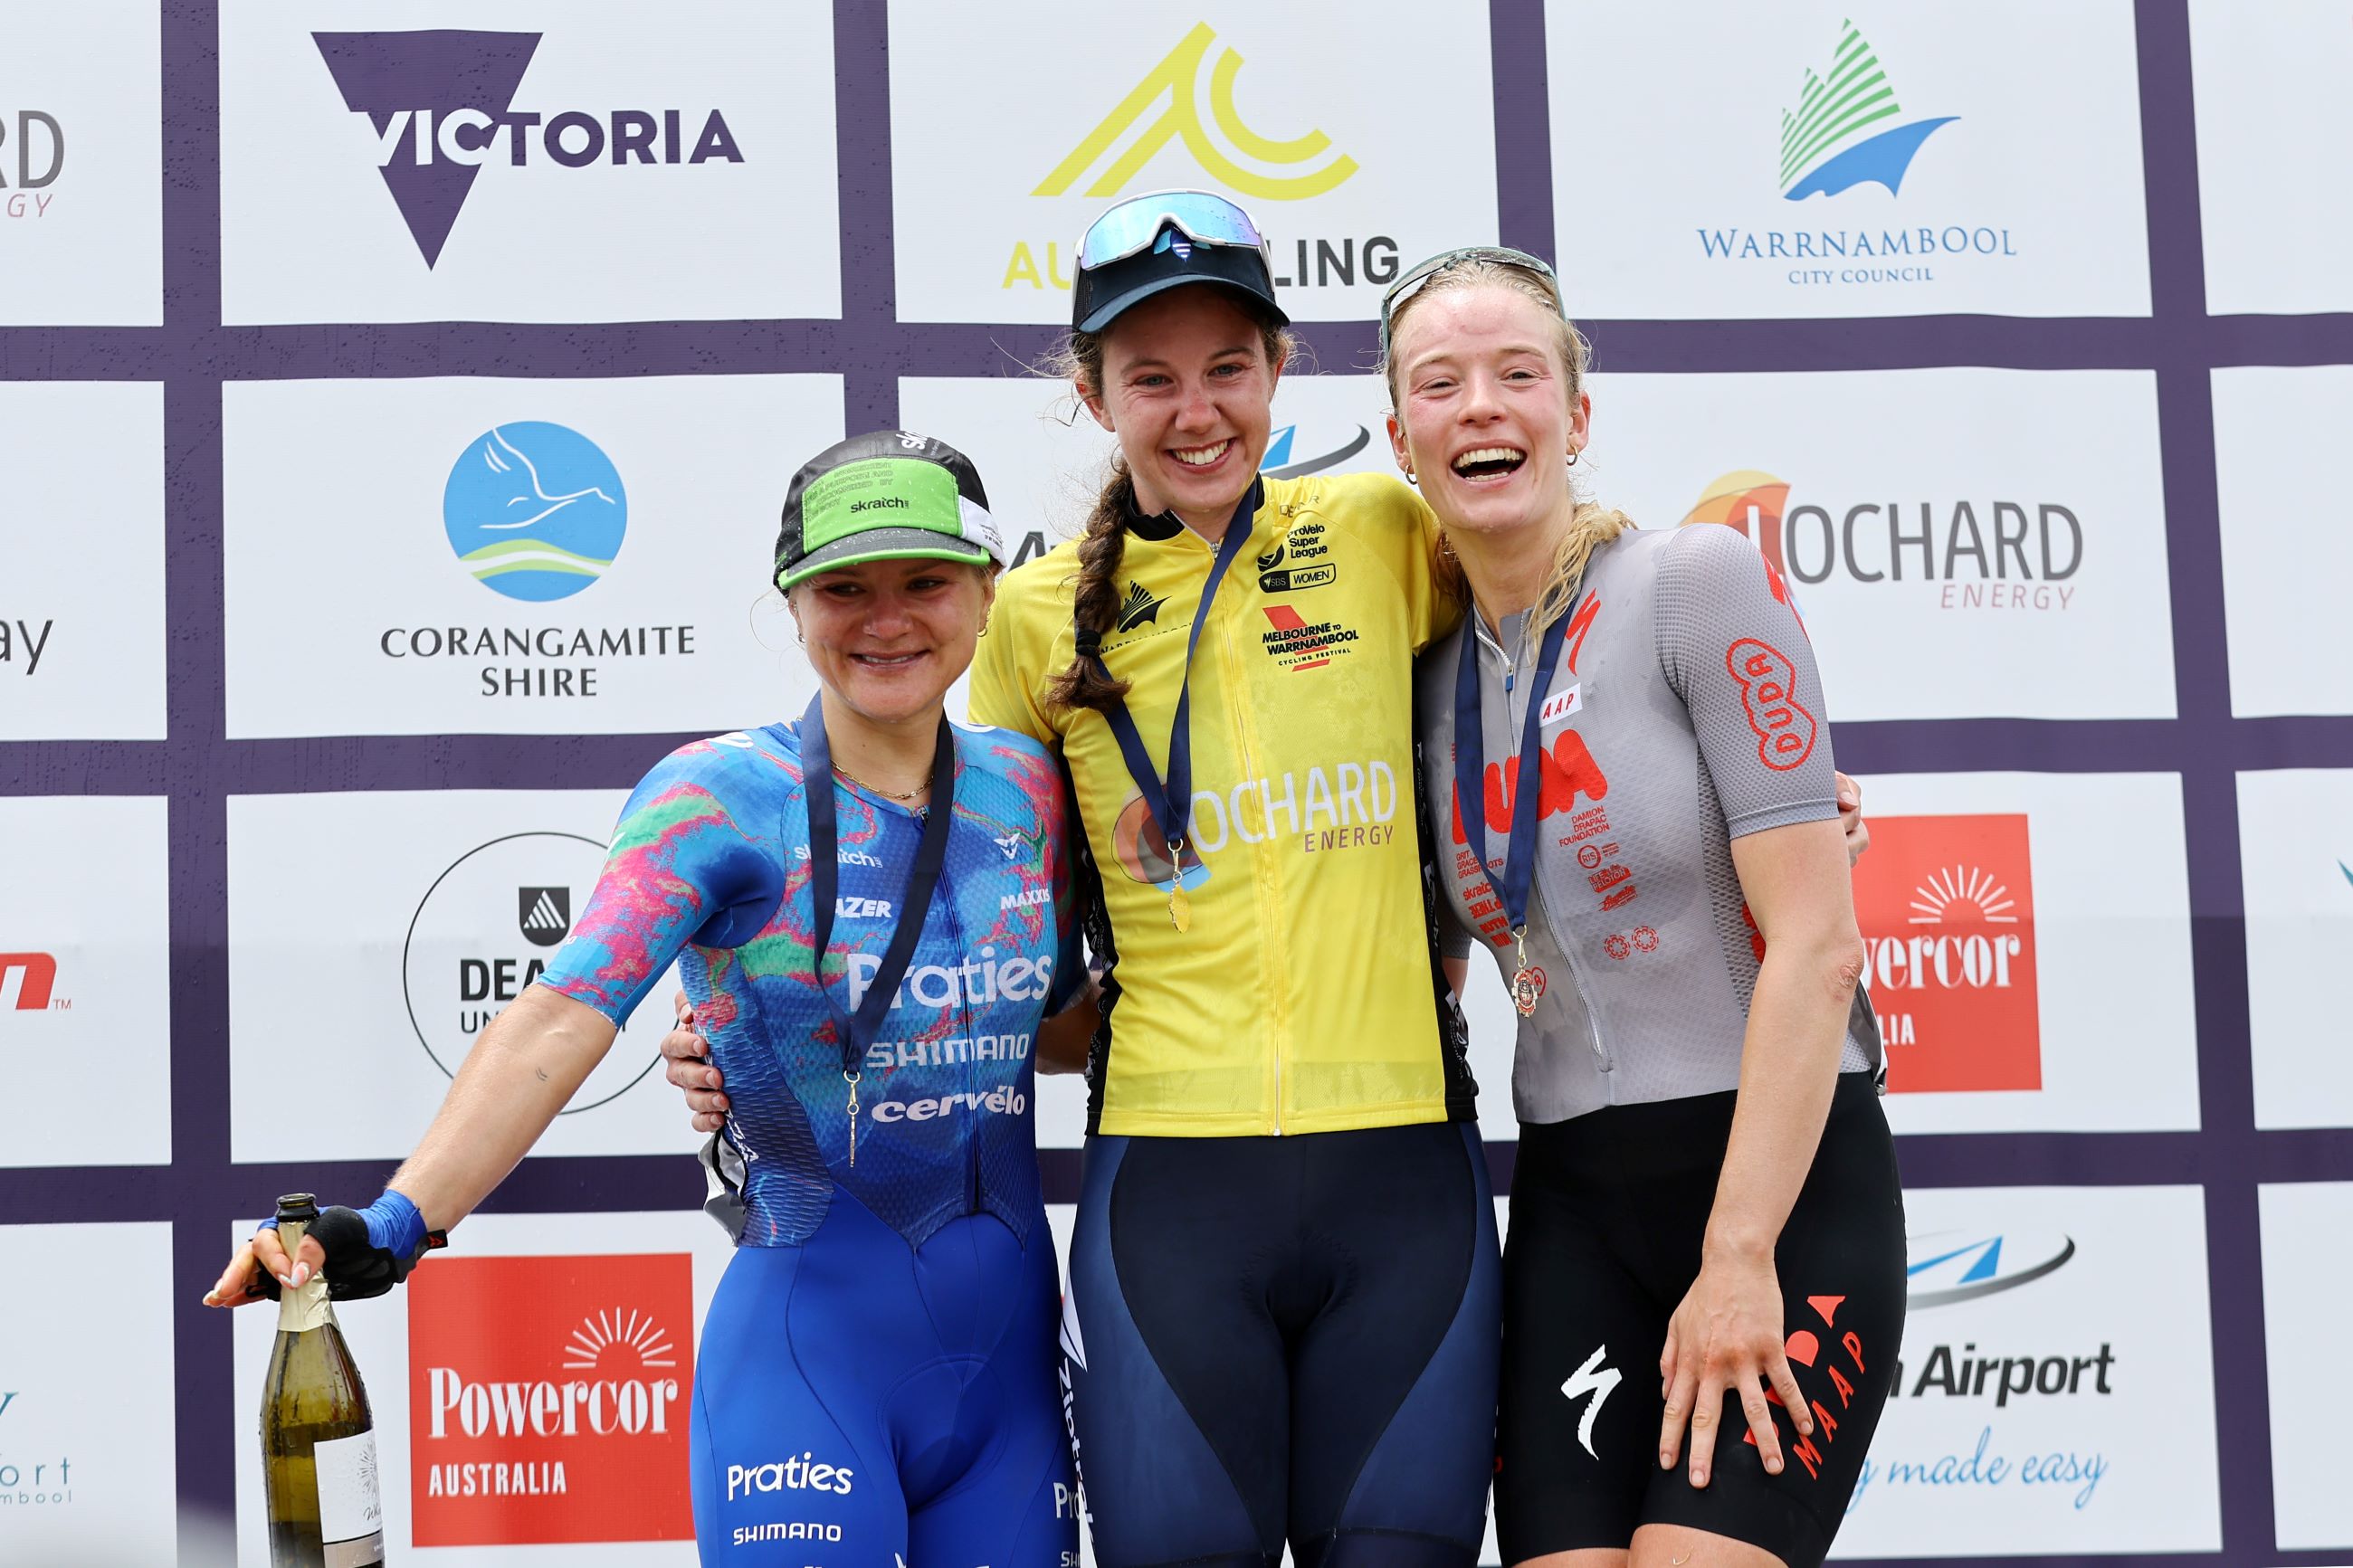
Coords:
pixel 2016 336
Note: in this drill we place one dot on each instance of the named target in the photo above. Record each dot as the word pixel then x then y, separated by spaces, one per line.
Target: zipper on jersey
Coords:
pixel 1273 961
pixel 973 1123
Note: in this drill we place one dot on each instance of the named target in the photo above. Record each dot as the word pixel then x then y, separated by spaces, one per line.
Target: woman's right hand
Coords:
pixel 686 1061
pixel 240 1282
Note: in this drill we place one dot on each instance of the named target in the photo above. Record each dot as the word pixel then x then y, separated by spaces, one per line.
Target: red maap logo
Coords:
pixel 441 101
pixel 39 979
pixel 548 1399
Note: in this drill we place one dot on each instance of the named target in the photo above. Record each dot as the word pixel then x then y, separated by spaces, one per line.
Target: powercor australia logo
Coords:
pixel 1946 908
pixel 440 103
pixel 479 938
pixel 1966 554
pixel 32 149
pixel 29 1480
pixel 1166 106
pixel 548 1399
pixel 536 514
pixel 32 977
pixel 1848 129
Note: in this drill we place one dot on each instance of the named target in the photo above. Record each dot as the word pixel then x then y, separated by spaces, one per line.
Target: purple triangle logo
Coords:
pixel 400 76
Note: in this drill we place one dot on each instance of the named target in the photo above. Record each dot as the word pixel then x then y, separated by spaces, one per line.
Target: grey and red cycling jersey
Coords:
pixel 1685 711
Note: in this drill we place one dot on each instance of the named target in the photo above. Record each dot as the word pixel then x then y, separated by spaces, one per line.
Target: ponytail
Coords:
pixel 1094 607
pixel 1593 526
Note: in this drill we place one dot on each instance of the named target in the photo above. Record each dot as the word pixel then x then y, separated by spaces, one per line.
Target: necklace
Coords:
pixel 877 789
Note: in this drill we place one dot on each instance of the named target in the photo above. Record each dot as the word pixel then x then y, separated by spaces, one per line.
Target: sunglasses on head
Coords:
pixel 1420 273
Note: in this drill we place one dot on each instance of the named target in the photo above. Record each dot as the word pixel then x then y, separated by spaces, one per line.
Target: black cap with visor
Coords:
pixel 1166 239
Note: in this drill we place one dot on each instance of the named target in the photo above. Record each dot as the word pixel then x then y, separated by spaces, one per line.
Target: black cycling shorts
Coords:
pixel 1608 1212
pixel 1272 1340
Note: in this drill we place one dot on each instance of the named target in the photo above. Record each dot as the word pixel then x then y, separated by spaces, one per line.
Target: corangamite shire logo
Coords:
pixel 535 511
pixel 1843 131
pixel 441 105
pixel 548 1399
pixel 1966 553
pixel 32 148
pixel 1947 906
pixel 1166 106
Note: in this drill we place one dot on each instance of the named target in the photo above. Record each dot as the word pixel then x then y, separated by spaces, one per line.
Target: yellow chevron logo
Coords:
pixel 1170 89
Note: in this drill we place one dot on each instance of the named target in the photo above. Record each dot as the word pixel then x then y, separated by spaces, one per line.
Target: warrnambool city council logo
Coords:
pixel 534 511
pixel 1820 152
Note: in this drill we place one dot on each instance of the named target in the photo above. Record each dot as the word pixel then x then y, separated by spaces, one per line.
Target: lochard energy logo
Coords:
pixel 1946 908
pixel 1967 555
pixel 548 1399
pixel 1165 106
pixel 1848 130
pixel 33 149
pixel 441 105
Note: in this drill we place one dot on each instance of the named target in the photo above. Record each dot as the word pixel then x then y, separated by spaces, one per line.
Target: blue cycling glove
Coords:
pixel 368 1250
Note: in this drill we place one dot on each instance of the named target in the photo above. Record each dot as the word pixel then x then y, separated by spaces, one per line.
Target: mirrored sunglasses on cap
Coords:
pixel 1422 271
pixel 1133 225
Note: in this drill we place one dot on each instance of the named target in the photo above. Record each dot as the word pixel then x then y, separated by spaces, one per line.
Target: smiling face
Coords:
pixel 1187 386
pixel 1488 410
pixel 889 638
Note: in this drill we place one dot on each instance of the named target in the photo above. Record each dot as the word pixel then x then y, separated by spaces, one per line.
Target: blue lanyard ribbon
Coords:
pixel 1171 804
pixel 1471 764
pixel 825 882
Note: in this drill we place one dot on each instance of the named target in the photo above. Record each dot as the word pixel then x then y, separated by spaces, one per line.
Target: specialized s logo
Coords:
pixel 1596 1380
pixel 1176 80
pixel 1768 681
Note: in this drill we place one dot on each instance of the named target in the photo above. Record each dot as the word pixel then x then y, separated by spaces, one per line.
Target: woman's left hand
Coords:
pixel 1726 1336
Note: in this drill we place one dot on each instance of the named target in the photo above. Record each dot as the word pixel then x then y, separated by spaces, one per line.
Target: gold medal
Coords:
pixel 1180 908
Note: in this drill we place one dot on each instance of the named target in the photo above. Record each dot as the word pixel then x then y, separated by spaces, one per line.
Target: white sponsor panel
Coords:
pixel 2273 191
pixel 1044 460
pixel 2295 866
pixel 81 595
pixel 385 1339
pixel 2307 1279
pixel 510 161
pixel 81 1485
pixel 81 172
pixel 2055 1395
pixel 85 978
pixel 1996 525
pixel 2286 555
pixel 487 556
pixel 1259 103
pixel 411 919
pixel 2100 895
pixel 1823 159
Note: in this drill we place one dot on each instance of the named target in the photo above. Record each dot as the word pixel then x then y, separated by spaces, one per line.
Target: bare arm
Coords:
pixel 1726 1334
pixel 1063 1039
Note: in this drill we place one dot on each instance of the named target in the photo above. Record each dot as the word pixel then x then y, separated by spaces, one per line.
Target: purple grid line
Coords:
pixel 197 767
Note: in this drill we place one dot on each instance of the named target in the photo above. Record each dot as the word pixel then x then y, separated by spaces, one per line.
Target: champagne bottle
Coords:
pixel 318 1439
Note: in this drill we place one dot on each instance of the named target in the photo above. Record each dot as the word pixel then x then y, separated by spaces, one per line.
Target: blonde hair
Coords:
pixel 1592 525
pixel 1102 540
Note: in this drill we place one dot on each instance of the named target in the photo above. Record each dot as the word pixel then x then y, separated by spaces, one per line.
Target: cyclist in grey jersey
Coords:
pixel 1656 753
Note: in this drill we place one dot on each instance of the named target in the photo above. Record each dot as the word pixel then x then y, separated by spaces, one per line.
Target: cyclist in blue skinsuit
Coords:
pixel 875 1372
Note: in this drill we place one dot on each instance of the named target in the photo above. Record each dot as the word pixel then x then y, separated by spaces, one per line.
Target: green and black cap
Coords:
pixel 888 495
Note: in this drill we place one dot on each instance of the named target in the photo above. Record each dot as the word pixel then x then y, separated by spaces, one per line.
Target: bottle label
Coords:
pixel 351 1517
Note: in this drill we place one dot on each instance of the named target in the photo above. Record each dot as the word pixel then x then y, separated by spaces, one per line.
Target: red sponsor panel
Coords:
pixel 548 1399
pixel 1947 906
pixel 40 973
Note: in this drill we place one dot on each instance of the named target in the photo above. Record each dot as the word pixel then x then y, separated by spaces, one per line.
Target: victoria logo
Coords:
pixel 464 958
pixel 440 103
pixel 536 512
pixel 1821 155
pixel 1174 88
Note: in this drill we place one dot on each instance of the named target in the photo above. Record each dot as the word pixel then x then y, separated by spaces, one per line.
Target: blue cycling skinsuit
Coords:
pixel 876 1372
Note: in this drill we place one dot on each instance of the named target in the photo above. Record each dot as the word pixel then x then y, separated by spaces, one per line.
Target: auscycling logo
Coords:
pixel 1166 106
pixel 1849 129
pixel 440 103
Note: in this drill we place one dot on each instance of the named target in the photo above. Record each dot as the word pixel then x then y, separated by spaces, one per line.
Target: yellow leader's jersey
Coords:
pixel 1303 996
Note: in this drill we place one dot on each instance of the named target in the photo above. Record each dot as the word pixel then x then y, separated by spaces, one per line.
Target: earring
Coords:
pixel 1411 477
pixel 1572 457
